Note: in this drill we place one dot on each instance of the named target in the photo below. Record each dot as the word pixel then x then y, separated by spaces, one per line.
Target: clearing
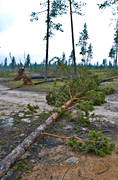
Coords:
pixel 50 158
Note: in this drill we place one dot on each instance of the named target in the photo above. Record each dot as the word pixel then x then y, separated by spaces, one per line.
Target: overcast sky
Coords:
pixel 19 35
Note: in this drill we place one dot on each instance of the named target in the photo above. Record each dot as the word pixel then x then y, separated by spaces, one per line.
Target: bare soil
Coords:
pixel 47 158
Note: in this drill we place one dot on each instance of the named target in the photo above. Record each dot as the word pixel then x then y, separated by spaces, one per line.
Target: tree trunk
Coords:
pixel 47 40
pixel 11 158
pixel 73 43
pixel 116 54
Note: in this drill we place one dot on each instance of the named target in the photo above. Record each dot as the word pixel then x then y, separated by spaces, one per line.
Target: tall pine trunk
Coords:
pixel 116 54
pixel 47 40
pixel 73 43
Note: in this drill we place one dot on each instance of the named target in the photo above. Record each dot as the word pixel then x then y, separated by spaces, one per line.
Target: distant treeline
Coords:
pixel 60 63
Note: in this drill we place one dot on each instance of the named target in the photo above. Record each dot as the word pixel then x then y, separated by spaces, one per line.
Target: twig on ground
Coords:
pixel 101 172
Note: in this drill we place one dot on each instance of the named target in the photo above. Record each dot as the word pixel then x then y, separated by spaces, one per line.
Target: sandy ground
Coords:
pixel 14 100
pixel 85 166
pixel 109 110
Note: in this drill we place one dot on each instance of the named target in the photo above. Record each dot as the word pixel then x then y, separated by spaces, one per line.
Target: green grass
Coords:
pixel 102 74
pixel 41 87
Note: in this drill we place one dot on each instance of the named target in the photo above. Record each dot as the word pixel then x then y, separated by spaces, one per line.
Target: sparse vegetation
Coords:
pixel 22 165
pixel 32 109
pixel 3 142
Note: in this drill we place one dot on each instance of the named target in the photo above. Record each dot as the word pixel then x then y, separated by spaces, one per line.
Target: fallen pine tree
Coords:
pixel 21 73
pixel 27 79
pixel 11 158
pixel 58 79
pixel 83 86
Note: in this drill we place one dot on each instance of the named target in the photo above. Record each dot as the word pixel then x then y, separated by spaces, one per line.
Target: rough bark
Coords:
pixel 11 158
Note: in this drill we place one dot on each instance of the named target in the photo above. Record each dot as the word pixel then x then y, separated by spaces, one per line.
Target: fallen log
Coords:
pixel 37 76
pixel 41 82
pixel 21 73
pixel 37 83
pixel 11 158
pixel 52 80
pixel 108 79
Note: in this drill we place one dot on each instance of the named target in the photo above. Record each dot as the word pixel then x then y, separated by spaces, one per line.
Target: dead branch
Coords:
pixel 101 172
pixel 61 137
pixel 56 136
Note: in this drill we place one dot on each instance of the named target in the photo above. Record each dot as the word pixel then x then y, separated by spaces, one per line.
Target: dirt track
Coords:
pixel 109 110
pixel 14 100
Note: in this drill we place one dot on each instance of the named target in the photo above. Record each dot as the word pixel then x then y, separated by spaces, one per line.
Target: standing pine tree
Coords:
pixel 83 43
pixel 13 63
pixel 27 61
pixel 73 41
pixel 70 60
pixel 116 42
pixel 110 64
pixel 104 62
pixel 47 39
pixel 55 8
pixel 114 5
pixel 5 62
pixel 63 59
pixel 112 54
pixel 90 53
pixel 74 7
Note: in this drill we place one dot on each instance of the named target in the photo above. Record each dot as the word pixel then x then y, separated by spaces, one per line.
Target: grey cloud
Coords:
pixel 6 21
